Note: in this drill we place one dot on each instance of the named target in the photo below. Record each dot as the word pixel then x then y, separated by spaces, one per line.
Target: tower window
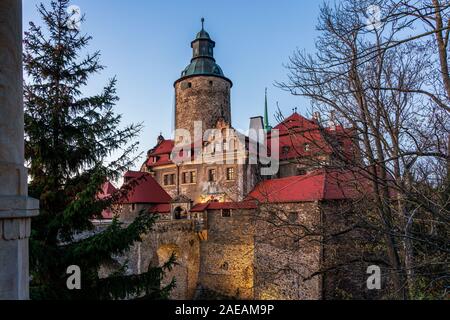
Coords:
pixel 211 83
pixel 186 85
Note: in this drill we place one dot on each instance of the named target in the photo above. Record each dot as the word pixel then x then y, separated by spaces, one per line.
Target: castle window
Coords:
pixel 186 85
pixel 292 217
pixel 133 207
pixel 211 83
pixel 226 213
pixel 286 149
pixel 212 175
pixel 193 176
pixel 272 217
pixel 184 177
pixel 169 179
pixel 307 147
pixel 230 174
pixel 224 266
pixel 189 177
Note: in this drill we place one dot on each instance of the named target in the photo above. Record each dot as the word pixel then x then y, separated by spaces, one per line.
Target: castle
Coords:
pixel 236 232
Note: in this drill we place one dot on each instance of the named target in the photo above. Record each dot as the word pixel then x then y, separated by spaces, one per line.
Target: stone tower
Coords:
pixel 203 92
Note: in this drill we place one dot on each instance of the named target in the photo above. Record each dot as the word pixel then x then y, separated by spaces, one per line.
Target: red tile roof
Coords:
pixel 318 185
pixel 160 155
pixel 201 207
pixel 160 208
pixel 294 122
pixel 107 190
pixel 147 189
pixel 300 137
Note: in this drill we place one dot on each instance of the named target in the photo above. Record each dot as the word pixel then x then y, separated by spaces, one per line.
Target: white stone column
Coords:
pixel 16 208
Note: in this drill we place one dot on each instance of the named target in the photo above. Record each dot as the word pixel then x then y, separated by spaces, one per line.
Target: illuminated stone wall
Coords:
pixel 284 256
pixel 226 264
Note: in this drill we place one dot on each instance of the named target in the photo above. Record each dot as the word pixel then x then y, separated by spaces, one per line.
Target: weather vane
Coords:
pixel 203 22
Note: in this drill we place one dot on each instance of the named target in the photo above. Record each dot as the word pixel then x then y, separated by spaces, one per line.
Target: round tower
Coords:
pixel 203 92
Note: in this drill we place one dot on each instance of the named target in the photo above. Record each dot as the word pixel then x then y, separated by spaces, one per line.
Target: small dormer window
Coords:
pixel 286 149
pixel 307 147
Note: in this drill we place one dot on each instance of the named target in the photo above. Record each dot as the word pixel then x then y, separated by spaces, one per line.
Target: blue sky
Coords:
pixel 146 44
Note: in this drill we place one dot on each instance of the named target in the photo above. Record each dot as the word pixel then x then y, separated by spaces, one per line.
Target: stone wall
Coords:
pixel 227 255
pixel 349 250
pixel 287 252
pixel 166 237
pixel 202 98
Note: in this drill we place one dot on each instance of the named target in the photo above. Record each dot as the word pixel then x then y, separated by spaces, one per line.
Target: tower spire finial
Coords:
pixel 203 23
pixel 267 126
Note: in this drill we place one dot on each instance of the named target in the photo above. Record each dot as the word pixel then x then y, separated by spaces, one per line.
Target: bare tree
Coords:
pixel 384 88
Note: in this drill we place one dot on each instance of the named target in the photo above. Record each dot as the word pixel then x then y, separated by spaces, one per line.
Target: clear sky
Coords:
pixel 146 44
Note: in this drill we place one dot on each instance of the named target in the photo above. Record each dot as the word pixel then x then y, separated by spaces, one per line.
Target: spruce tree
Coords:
pixel 69 138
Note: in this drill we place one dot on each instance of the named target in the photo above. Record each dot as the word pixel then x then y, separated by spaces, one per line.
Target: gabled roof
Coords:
pixel 107 190
pixel 147 189
pixel 300 137
pixel 160 155
pixel 316 186
pixel 165 147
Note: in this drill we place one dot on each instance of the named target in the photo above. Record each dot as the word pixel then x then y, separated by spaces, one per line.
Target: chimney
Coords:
pixel 316 116
pixel 256 123
pixel 160 139
pixel 332 121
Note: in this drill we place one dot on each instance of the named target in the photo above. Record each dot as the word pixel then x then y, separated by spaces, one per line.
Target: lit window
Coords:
pixel 230 174
pixel 193 177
